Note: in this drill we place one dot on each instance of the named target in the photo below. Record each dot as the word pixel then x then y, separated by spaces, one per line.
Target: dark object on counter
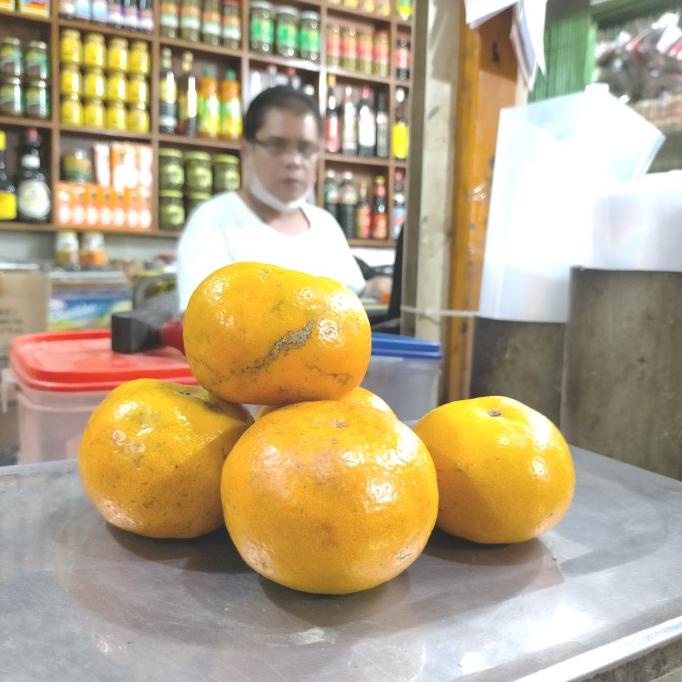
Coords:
pixel 140 330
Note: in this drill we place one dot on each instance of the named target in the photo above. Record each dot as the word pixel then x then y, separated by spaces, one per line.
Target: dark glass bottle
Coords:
pixel 34 201
pixel 168 94
pixel 367 125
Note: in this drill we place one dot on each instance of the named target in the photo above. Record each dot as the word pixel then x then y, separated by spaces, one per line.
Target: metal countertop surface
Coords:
pixel 80 600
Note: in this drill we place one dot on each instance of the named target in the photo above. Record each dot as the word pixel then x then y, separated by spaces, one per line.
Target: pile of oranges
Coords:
pixel 327 491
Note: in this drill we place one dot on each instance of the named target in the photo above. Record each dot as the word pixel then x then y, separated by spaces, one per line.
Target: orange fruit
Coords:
pixel 505 472
pixel 151 457
pixel 329 497
pixel 265 335
pixel 358 396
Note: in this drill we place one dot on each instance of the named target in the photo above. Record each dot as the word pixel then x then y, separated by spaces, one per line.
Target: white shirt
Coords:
pixel 225 230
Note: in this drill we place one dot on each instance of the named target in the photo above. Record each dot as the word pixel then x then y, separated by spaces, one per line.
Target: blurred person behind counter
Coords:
pixel 269 220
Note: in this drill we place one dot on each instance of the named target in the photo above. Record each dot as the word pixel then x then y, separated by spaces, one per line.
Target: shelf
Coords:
pixel 48 227
pixel 351 160
pixel 96 27
pixel 399 164
pixel 357 14
pixel 404 24
pixel 181 44
pixel 373 243
pixel 105 132
pixel 298 64
pixel 199 142
pixel 24 122
pixel 13 14
pixel 355 76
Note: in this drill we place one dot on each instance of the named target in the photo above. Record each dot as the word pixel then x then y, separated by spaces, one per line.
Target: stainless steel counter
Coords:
pixel 80 600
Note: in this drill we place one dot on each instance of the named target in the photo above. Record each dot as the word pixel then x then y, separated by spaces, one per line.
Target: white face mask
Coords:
pixel 258 189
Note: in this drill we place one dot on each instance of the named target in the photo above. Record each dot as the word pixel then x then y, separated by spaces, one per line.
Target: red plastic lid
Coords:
pixel 83 361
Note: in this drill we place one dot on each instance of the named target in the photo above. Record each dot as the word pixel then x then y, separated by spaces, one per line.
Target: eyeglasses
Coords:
pixel 278 146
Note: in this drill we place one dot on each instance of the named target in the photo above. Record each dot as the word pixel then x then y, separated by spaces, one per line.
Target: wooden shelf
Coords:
pixel 24 122
pixel 404 24
pixel 297 64
pixel 13 14
pixel 200 47
pixel 400 164
pixel 357 14
pixel 199 142
pixel 49 227
pixel 351 160
pixel 105 133
pixel 96 27
pixel 373 243
pixel 355 76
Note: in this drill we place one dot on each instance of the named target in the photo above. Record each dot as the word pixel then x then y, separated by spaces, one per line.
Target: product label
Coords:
pixel 168 91
pixel 33 199
pixel 209 116
pixel 310 40
pixel 231 29
pixel 211 23
pixel 169 15
pixel 262 30
pixel 287 35
pixel 190 18
pixel 8 206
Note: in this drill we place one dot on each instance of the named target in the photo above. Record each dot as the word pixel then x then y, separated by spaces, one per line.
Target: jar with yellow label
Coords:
pixel 117 87
pixel 94 113
pixel 139 58
pixel 137 120
pixel 198 172
pixel 116 116
pixel 117 55
pixel 94 51
pixel 171 210
pixel 171 170
pixel 71 48
pixel 70 81
pixel 72 110
pixel 93 84
pixel 137 90
pixel 225 173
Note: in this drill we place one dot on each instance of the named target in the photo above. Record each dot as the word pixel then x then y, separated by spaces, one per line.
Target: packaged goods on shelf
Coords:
pixel 357 47
pixel 134 15
pixel 24 70
pixel 34 8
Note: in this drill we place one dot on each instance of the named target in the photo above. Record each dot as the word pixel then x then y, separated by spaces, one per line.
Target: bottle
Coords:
pixel 367 125
pixel 401 132
pixel 349 140
pixel 382 133
pixel 130 18
pixel 399 213
pixel 8 196
pixel 208 104
pixel 230 107
pixel 34 201
pixel 190 20
pixel 363 214
pixel 331 194
pixel 332 137
pixel 66 249
pixel 115 13
pixel 211 23
pixel 145 16
pixel 347 199
pixel 379 229
pixel 169 20
pixel 168 94
pixel 232 25
pixel 187 98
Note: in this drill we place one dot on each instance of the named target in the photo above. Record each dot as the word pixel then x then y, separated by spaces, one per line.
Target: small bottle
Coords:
pixel 363 213
pixel 349 141
pixel 332 134
pixel 208 115
pixel 331 194
pixel 8 195
pixel 168 94
pixel 230 107
pixel 187 98
pixel 401 132
pixel 367 125
pixel 145 16
pixel 130 17
pixel 379 229
pixel 399 212
pixel 115 13
pixel 382 127
pixel 348 197
pixel 66 249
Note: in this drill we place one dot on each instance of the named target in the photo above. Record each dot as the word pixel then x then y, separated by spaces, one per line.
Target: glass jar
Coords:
pixel 309 36
pixel 137 91
pixel 333 45
pixel 93 113
pixel 381 54
pixel 77 166
pixel 117 55
pixel 36 61
pixel 198 175
pixel 72 110
pixel 169 25
pixel 226 177
pixel 232 25
pixel 384 8
pixel 287 31
pixel 11 61
pixel 94 84
pixel 365 60
pixel 116 116
pixel 70 80
pixel 194 199
pixel 369 6
pixel 71 48
pixel 262 27
pixel 171 210
pixel 137 119
pixel 171 170
pixel 211 23
pixel 190 20
pixel 117 87
pixel 11 97
pixel 139 58
pixel 349 48
pixel 37 103
pixel 94 51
